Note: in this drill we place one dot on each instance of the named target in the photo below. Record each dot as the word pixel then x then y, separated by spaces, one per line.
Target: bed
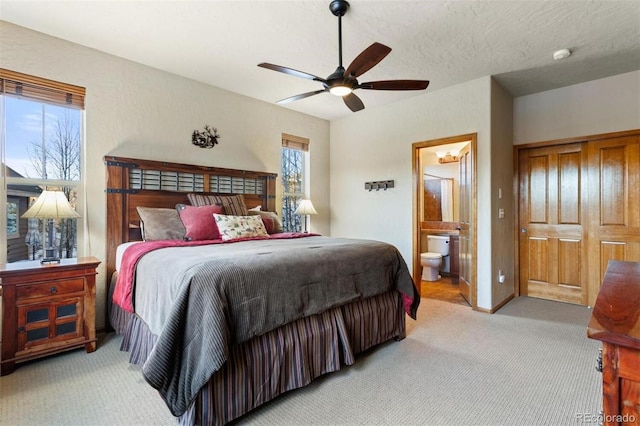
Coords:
pixel 222 325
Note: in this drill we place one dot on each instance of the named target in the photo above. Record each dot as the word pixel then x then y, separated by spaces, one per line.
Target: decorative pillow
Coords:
pixel 268 224
pixel 277 224
pixel 233 227
pixel 233 204
pixel 160 224
pixel 255 209
pixel 199 222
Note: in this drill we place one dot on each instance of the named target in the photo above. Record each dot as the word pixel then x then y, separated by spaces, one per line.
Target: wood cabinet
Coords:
pixel 47 309
pixel 616 322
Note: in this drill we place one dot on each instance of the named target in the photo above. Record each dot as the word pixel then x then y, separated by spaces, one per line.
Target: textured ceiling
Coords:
pixel 446 42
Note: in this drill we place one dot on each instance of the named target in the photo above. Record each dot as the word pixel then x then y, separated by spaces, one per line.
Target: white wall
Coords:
pixel 137 111
pixel 376 144
pixel 503 245
pixel 610 104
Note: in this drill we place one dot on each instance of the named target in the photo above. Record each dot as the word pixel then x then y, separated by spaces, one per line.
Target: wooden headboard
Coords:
pixel 147 183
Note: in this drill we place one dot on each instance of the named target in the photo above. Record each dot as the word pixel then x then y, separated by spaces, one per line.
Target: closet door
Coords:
pixel 552 237
pixel 614 183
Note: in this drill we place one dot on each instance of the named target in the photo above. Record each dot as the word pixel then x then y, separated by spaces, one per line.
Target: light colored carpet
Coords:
pixel 529 364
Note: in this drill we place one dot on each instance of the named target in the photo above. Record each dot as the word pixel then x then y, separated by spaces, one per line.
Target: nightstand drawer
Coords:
pixel 51 288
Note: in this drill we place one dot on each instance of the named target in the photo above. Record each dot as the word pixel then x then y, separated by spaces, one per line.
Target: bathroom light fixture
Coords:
pixel 561 54
pixel 447 157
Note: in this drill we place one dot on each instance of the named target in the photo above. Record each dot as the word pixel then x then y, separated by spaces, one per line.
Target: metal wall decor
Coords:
pixel 378 185
pixel 205 139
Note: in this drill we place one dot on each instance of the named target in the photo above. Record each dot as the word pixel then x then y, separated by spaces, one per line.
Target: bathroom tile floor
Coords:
pixel 443 289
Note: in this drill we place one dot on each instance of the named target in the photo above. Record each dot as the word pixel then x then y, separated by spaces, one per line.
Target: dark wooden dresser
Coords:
pixel 616 322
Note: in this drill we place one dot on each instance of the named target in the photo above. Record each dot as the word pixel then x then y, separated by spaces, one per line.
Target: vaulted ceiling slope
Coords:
pixel 444 41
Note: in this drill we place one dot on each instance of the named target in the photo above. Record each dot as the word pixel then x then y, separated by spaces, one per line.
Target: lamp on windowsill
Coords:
pixel 305 208
pixel 51 205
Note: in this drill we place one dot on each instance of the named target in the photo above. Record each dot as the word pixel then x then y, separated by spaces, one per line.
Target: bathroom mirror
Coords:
pixel 439 190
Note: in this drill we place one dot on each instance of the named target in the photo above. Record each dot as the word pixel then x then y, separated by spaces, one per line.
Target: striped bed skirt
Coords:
pixel 281 360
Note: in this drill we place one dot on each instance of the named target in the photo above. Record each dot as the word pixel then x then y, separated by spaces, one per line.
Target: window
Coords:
pixel 13 215
pixel 294 157
pixel 41 144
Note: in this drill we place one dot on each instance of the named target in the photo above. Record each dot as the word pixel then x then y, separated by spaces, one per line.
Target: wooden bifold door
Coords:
pixel 579 207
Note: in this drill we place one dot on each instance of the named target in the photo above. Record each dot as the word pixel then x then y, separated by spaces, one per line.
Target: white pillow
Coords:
pixel 234 227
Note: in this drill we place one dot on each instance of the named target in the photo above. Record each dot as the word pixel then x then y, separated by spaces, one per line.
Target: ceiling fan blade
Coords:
pixel 367 59
pixel 291 71
pixel 353 102
pixel 395 85
pixel 300 96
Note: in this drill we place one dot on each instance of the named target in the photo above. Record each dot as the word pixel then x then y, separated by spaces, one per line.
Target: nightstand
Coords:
pixel 47 309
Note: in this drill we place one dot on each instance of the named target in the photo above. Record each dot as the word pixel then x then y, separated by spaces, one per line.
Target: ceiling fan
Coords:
pixel 343 82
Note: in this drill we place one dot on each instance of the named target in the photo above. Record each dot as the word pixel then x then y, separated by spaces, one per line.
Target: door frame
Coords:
pixel 417 177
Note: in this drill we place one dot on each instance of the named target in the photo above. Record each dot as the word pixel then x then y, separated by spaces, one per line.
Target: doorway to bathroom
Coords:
pixel 444 209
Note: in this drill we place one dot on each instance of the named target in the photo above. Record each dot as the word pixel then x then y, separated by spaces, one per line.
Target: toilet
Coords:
pixel 437 248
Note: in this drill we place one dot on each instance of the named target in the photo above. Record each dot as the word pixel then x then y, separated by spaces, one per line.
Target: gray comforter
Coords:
pixel 200 300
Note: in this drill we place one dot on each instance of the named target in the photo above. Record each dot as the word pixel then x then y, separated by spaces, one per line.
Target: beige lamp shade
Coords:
pixel 51 205
pixel 305 207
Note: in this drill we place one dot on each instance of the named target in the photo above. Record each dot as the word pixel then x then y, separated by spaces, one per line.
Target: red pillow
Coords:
pixel 199 222
pixel 268 224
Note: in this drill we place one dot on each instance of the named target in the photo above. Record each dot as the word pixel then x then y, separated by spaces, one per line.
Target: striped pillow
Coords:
pixel 232 204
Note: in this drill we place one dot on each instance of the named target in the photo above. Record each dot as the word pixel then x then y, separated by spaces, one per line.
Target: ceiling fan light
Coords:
pixel 340 90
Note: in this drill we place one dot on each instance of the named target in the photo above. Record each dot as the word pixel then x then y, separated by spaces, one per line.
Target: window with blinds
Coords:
pixel 41 89
pixel 42 145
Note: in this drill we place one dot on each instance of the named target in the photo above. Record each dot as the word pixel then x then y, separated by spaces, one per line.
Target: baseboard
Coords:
pixel 497 307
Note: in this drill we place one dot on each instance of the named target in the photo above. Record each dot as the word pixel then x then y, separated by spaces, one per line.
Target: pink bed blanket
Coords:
pixel 123 292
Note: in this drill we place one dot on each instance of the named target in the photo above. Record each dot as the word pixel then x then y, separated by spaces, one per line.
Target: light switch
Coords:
pixel 500 213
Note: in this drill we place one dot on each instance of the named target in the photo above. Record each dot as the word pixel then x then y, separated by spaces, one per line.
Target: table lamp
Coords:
pixel 51 205
pixel 305 208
